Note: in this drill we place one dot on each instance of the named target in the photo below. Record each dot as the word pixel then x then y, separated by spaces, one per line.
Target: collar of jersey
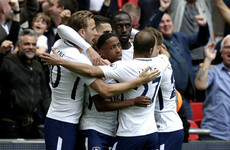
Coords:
pixel 143 59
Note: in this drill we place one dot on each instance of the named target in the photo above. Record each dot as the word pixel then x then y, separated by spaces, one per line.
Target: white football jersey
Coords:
pixel 166 115
pixel 127 54
pixel 137 121
pixel 104 122
pixel 67 87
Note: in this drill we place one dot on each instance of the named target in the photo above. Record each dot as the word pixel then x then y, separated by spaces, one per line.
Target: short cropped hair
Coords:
pixel 157 34
pixel 143 42
pixel 132 8
pixel 25 32
pixel 103 38
pixel 78 20
pixel 223 41
pixel 100 20
pixel 118 13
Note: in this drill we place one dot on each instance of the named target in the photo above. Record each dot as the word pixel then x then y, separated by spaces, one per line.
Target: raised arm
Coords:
pixel 69 34
pixel 202 37
pixel 201 80
pixel 224 10
pixel 155 19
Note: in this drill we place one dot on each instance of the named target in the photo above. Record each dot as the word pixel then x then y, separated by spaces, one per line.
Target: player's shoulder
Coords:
pixel 65 49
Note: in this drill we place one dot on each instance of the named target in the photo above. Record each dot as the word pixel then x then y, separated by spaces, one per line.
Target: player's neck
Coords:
pixel 140 55
pixel 125 45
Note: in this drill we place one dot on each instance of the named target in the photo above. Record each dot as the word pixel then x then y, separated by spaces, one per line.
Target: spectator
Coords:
pixel 185 11
pixel 148 8
pixel 219 24
pixel 9 22
pixel 6 46
pixel 23 89
pixel 122 26
pixel 28 8
pixel 223 8
pixel 55 9
pixel 41 24
pixel 215 80
pixel 135 13
pixel 178 45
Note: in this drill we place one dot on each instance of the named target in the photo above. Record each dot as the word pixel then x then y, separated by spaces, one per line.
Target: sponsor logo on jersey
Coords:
pixel 113 65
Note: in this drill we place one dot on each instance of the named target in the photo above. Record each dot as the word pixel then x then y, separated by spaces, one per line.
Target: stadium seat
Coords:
pixel 193 137
pixel 197 109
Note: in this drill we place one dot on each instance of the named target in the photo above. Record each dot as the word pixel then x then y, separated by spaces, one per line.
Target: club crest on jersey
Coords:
pixel 96 148
pixel 113 65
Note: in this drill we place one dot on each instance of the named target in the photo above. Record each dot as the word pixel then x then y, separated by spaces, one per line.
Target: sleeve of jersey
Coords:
pixel 92 92
pixel 112 71
pixel 166 61
pixel 69 34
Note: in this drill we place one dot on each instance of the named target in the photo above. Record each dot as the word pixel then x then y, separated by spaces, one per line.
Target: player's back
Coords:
pixel 166 116
pixel 102 121
pixel 67 87
pixel 137 121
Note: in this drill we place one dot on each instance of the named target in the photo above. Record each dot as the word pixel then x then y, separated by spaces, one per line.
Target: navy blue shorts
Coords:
pixel 94 140
pixel 145 142
pixel 60 135
pixel 171 140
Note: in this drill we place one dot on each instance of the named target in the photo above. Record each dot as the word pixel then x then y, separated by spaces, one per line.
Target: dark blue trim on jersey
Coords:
pixel 69 44
pixel 160 99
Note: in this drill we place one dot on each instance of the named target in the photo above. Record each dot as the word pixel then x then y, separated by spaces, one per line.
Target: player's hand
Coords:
pixel 105 62
pixel 95 58
pixel 142 101
pixel 51 59
pixel 201 20
pixel 146 76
